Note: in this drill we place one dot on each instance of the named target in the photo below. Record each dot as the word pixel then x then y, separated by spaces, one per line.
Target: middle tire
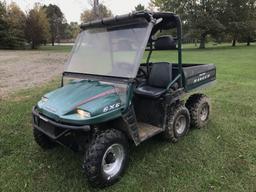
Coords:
pixel 178 123
pixel 199 107
pixel 106 158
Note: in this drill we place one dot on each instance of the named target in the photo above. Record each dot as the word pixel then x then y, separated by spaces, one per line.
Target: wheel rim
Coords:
pixel 112 160
pixel 180 124
pixel 204 113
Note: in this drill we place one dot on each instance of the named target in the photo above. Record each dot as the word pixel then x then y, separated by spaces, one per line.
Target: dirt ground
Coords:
pixel 25 69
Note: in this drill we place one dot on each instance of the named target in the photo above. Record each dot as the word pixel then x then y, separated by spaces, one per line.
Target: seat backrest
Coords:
pixel 165 43
pixel 160 75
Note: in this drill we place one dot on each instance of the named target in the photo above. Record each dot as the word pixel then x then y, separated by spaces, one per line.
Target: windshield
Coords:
pixel 115 51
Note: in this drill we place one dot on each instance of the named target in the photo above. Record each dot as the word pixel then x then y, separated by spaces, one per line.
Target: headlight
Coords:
pixel 44 99
pixel 83 114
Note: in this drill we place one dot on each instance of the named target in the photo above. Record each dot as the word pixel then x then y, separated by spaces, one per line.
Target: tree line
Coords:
pixel 203 20
pixel 40 25
pixel 220 20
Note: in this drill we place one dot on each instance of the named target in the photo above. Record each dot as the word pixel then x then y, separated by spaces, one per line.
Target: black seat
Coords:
pixel 159 79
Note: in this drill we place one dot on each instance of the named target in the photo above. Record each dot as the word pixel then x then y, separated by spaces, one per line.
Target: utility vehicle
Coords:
pixel 108 99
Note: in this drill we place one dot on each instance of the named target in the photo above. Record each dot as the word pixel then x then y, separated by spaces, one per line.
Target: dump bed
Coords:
pixel 196 75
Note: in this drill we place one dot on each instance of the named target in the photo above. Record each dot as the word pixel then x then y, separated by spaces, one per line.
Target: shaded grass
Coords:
pixel 56 48
pixel 221 157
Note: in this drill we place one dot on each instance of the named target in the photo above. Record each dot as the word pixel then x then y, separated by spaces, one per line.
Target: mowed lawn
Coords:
pixel 221 157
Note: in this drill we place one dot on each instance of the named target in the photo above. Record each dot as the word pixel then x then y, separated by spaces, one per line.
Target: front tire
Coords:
pixel 106 158
pixel 43 140
pixel 199 107
pixel 178 123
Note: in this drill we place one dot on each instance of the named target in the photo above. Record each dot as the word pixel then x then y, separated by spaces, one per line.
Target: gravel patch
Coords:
pixel 26 69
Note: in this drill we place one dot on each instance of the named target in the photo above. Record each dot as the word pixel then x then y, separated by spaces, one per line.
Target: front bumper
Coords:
pixel 53 129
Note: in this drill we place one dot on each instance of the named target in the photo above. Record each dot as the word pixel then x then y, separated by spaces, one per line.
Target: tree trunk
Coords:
pixel 248 41
pixel 202 41
pixel 33 45
pixel 53 40
pixel 234 41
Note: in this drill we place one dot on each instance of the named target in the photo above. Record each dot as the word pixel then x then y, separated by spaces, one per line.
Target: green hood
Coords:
pixel 90 96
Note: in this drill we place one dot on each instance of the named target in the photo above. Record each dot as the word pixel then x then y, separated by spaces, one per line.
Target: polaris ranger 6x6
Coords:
pixel 108 99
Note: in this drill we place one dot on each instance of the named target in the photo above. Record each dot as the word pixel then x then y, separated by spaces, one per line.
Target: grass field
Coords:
pixel 221 157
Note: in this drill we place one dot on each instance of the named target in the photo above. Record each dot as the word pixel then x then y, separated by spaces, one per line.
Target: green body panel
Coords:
pixel 100 100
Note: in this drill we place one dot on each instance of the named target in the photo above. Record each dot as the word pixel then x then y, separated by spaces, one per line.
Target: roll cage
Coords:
pixel 161 21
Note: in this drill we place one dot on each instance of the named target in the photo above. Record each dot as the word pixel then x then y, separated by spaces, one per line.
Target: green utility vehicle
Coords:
pixel 109 100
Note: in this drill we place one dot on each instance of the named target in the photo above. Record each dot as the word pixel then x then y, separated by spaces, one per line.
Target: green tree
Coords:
pixel 180 7
pixel 89 15
pixel 140 7
pixel 37 26
pixel 75 29
pixel 205 18
pixel 11 26
pixel 250 22
pixel 235 12
pixel 200 17
pixel 4 27
pixel 16 21
pixel 56 18
pixel 70 31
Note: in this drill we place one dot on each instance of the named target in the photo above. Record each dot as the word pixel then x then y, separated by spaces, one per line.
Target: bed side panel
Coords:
pixel 199 75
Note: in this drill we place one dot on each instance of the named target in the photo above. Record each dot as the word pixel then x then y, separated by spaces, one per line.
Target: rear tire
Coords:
pixel 106 158
pixel 178 123
pixel 43 140
pixel 199 107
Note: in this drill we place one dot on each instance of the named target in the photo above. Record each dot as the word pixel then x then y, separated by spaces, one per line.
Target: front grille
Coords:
pixel 47 127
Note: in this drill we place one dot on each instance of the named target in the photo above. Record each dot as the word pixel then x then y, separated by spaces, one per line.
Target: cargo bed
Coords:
pixel 196 75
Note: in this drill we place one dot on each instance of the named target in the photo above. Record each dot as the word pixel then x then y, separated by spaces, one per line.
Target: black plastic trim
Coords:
pixel 50 135
pixel 97 77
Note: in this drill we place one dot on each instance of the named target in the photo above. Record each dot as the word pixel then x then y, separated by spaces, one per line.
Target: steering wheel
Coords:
pixel 141 73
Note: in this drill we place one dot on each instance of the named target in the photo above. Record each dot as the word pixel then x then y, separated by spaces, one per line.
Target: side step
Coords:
pixel 146 131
